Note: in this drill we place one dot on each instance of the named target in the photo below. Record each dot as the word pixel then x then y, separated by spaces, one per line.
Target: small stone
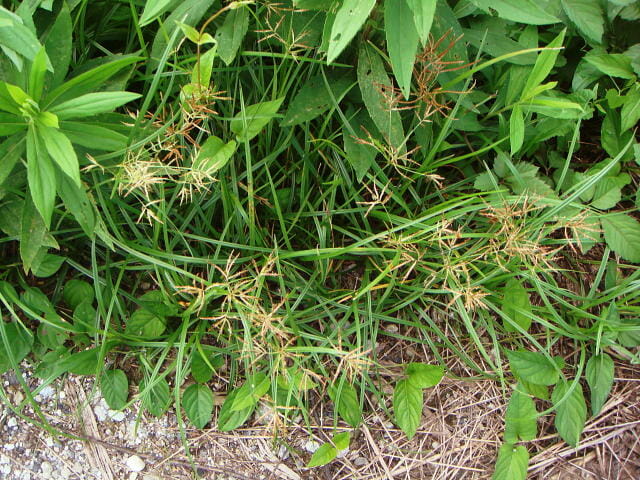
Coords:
pixel 46 469
pixel 100 412
pixel 135 464
pixel 116 415
pixel 12 422
pixel 283 453
pixel 391 328
pixel 47 392
pixel 360 462
pixel 311 446
pixel 18 397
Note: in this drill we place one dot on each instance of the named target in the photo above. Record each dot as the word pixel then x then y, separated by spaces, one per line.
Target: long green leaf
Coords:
pixel 423 11
pixel 402 41
pixel 92 104
pixel 349 19
pixel 407 406
pixel 61 152
pixel 599 374
pixel 41 176
pixel 571 411
pixel 544 63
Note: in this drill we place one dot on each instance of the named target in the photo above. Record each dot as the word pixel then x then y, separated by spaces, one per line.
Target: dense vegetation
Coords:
pixel 255 189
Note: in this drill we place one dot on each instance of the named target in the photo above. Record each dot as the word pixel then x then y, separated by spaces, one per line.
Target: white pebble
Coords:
pixel 12 422
pixel 47 392
pixel 116 415
pixel 46 469
pixel 311 446
pixel 360 462
pixel 135 464
pixel 100 412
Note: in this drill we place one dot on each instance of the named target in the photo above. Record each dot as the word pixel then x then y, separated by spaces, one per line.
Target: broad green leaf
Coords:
pixel 323 455
pixel 534 367
pixel 213 155
pixel 49 265
pixel 345 398
pixel 612 64
pixel 114 386
pixel 93 136
pixel 37 73
pixel 296 380
pixel 313 99
pixel 512 463
pixel 407 406
pixel 33 236
pixel 201 74
pixel 41 176
pixel 194 35
pixel 372 79
pixel 402 41
pixel 571 414
pixel 313 4
pixel 250 393
pixel 17 346
pixel 146 324
pixel 78 203
pixel 58 44
pixel 629 334
pixel 36 300
pixel 599 375
pixel 497 44
pixel 422 375
pixel 543 66
pixel 17 36
pixel 153 9
pixel 82 363
pixel 521 11
pixel 612 138
pixel 538 391
pixel 607 193
pixel 423 11
pixel 231 34
pixel 77 291
pixel 630 113
pixel 248 123
pixel 621 233
pixel 156 302
pixel 61 152
pixel 516 129
pixel 342 440
pixel 201 368
pixel 587 16
pixel 229 419
pixel 92 104
pixel 189 12
pixel 88 81
pixel 197 401
pixel 157 397
pixel 349 19
pixel 84 316
pixel 7 102
pixel 51 336
pixel 10 124
pixel 360 156
pixel 515 305
pixel 520 419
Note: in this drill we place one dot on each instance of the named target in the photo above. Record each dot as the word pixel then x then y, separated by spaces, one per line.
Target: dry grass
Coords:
pixel 458 439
